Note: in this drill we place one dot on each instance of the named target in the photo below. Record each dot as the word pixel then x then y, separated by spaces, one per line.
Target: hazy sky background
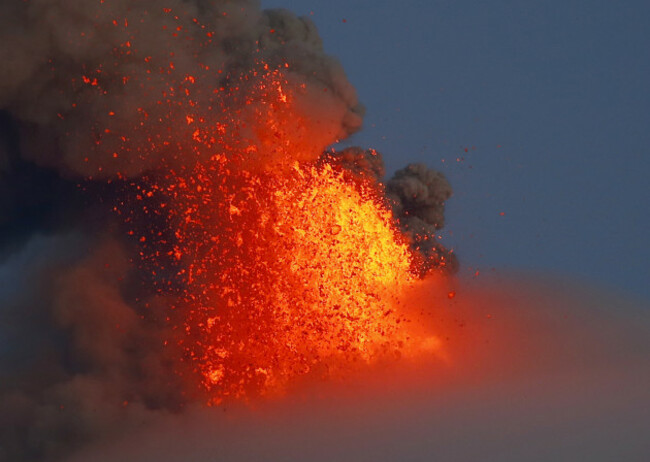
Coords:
pixel 551 102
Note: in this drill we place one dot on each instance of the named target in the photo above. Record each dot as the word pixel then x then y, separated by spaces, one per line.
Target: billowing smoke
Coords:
pixel 98 97
pixel 84 77
pixel 77 357
pixel 103 105
pixel 419 194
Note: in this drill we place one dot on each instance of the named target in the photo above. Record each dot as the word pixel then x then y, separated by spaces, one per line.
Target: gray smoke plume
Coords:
pixel 418 196
pixel 91 94
pixel 79 357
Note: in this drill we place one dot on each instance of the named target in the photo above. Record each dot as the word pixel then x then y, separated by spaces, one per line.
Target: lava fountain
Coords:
pixel 179 234
pixel 284 267
pixel 229 254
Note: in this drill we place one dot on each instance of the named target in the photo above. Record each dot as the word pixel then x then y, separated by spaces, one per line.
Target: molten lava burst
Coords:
pixel 291 275
pixel 284 266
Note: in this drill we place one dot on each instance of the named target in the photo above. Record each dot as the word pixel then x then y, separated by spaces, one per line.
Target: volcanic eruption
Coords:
pixel 170 190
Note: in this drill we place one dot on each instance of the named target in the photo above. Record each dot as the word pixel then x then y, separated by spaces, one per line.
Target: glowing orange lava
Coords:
pixel 282 266
pixel 284 275
pixel 307 284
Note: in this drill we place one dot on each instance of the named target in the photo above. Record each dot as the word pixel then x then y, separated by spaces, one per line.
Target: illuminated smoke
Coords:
pixel 132 136
pixel 88 74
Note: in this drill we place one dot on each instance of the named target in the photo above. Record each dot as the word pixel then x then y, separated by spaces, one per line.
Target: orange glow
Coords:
pixel 294 275
pixel 281 266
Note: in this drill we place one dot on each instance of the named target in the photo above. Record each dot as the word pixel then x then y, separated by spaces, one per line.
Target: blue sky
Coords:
pixel 551 102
